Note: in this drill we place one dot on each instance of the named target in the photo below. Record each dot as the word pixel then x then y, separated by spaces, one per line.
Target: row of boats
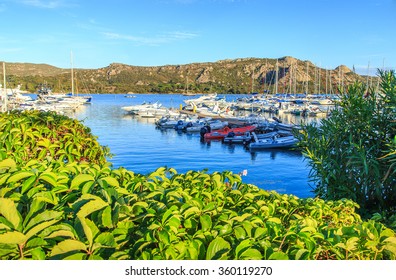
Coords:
pixel 212 105
pixel 256 135
pixel 45 101
pixel 217 119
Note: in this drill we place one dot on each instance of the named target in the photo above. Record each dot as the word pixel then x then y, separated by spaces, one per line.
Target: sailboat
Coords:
pixel 72 94
pixel 186 93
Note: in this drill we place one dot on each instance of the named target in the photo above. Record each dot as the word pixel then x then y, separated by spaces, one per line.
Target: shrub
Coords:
pixel 64 209
pixel 352 152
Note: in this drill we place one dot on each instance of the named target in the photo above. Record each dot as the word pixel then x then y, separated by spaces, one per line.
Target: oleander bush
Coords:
pixel 352 152
pixel 53 205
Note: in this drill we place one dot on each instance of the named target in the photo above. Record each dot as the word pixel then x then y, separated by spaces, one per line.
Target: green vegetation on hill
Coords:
pixel 225 76
pixel 60 199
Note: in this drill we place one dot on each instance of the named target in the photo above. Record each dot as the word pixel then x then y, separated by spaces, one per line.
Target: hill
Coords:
pixel 241 75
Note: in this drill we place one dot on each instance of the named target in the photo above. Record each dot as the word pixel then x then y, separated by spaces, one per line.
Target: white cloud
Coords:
pixel 156 40
pixel 45 4
pixel 10 50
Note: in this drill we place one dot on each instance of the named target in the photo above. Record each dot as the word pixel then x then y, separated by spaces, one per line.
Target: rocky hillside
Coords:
pixel 225 76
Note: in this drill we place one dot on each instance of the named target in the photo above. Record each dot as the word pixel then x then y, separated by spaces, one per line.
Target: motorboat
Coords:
pixel 273 142
pixel 221 133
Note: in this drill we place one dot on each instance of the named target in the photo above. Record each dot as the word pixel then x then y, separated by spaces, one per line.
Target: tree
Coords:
pixel 352 153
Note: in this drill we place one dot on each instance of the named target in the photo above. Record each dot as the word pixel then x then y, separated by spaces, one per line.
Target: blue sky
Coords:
pixel 360 34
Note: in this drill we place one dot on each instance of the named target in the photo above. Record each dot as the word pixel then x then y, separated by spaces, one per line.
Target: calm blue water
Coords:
pixel 139 146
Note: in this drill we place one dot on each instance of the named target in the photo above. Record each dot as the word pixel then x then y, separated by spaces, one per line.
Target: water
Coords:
pixel 139 146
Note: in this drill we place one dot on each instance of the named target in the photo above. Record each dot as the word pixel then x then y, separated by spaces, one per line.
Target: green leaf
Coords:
pixel 106 239
pixel 274 220
pixel 390 245
pixel 206 222
pixel 251 254
pixel 10 212
pixel 3 178
pixel 43 217
pixel 67 246
pixel 65 230
pixel 139 207
pixel 164 237
pixel 192 211
pixel 8 163
pixel 40 227
pixel 49 177
pixel 76 257
pixel 167 215
pixel 302 254
pixel 12 237
pixel 28 183
pixel 38 254
pixel 218 249
pixel 107 217
pixel 350 245
pixel 91 206
pixel 87 229
pixel 81 179
pixel 278 256
pixel 239 232
pixel 243 246
pixel 111 181
pixel 19 176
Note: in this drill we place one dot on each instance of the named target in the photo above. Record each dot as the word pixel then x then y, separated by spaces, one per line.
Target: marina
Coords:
pixel 130 128
pixel 139 145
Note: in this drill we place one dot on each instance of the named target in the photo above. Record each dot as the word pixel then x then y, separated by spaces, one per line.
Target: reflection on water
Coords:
pixel 273 153
pixel 139 146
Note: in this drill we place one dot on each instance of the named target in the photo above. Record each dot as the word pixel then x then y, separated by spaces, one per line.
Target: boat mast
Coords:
pixel 306 90
pixel 276 77
pixel 72 75
pixel 4 105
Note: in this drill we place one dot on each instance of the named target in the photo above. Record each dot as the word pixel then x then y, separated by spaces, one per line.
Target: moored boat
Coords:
pixel 238 139
pixel 221 133
pixel 273 142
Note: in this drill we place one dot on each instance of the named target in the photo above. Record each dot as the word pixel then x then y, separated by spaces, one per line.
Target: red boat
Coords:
pixel 221 133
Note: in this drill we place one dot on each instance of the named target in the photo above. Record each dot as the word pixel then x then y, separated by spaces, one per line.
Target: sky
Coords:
pixel 358 34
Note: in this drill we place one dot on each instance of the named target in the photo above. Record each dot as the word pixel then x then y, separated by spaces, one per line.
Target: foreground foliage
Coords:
pixel 353 152
pixel 68 209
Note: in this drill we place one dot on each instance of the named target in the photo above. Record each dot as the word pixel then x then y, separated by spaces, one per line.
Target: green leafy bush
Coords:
pixel 352 152
pixel 48 136
pixel 64 209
